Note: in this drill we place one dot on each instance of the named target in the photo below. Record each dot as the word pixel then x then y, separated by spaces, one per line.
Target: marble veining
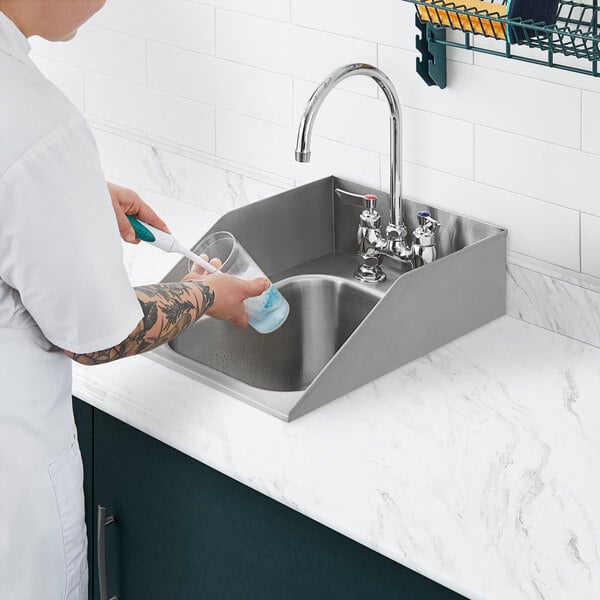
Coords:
pixel 177 176
pixel 555 304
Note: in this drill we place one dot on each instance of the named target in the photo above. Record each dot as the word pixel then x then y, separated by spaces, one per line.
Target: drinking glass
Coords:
pixel 266 312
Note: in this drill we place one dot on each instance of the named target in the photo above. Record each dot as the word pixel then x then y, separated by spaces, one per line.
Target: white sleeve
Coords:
pixel 60 246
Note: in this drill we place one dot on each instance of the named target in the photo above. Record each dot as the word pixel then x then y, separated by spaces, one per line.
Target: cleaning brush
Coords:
pixel 477 22
pixel 488 18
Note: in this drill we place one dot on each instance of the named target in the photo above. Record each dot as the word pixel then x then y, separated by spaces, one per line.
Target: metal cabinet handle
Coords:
pixel 103 521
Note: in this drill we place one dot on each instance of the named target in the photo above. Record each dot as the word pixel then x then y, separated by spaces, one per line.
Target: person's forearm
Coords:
pixel 169 309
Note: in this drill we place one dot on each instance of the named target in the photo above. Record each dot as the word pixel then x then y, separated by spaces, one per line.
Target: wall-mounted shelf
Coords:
pixel 571 44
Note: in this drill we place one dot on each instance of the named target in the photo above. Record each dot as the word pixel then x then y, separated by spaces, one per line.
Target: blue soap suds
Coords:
pixel 270 295
pixel 268 311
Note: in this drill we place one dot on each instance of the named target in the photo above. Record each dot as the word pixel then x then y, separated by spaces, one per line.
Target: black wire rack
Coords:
pixel 571 43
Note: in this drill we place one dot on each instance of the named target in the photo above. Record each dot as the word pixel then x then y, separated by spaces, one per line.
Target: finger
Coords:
pixel 215 262
pixel 255 287
pixel 134 205
pixel 125 229
pixel 198 270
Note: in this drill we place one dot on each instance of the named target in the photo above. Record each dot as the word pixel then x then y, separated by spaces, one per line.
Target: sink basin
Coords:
pixel 324 312
pixel 340 333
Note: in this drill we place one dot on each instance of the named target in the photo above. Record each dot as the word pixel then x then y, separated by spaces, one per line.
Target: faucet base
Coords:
pixel 369 274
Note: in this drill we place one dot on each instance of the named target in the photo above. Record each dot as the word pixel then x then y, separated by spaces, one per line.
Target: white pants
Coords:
pixel 43 544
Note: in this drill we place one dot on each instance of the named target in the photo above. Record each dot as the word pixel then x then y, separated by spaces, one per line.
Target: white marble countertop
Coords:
pixel 477 465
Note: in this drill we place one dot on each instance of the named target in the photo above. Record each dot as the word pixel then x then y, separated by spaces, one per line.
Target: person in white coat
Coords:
pixel 64 295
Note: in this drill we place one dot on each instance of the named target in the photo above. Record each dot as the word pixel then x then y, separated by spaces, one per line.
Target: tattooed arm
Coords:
pixel 170 308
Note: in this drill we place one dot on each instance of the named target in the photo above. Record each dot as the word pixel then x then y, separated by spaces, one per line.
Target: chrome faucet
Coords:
pixel 373 244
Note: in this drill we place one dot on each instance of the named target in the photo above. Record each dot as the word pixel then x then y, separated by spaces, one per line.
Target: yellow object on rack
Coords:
pixel 441 13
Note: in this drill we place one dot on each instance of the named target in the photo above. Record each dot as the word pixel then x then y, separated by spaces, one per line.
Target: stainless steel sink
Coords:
pixel 324 312
pixel 340 333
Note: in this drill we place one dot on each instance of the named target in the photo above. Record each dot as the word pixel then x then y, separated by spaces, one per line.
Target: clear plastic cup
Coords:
pixel 266 312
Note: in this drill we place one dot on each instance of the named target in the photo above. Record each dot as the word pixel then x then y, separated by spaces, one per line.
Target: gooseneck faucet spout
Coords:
pixel 396 230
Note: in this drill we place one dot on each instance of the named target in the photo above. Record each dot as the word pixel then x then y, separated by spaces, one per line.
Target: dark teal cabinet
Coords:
pixel 184 531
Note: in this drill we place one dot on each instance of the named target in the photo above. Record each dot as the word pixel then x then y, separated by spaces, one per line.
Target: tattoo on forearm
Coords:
pixel 169 309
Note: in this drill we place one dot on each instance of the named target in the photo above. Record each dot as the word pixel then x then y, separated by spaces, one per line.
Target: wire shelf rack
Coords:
pixel 572 43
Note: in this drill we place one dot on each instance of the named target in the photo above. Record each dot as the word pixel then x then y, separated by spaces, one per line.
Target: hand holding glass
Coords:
pixel 266 312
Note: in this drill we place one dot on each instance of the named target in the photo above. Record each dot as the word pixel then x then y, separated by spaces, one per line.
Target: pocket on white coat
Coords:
pixel 66 475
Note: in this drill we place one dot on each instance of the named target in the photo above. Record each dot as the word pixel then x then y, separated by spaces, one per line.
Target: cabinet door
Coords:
pixel 185 531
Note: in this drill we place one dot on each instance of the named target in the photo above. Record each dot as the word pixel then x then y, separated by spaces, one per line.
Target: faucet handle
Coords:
pixel 367 201
pixel 424 234
pixel 427 224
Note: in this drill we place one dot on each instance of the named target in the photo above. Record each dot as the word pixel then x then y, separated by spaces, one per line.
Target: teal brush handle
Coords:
pixel 165 241
pixel 141 232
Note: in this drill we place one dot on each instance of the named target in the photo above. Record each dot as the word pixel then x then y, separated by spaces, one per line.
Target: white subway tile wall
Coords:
pixel 178 23
pixel 266 146
pixel 101 51
pixel 228 85
pixel 156 113
pixel 512 144
pixel 383 22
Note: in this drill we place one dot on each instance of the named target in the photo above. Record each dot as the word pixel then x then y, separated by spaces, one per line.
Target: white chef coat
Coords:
pixel 62 285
